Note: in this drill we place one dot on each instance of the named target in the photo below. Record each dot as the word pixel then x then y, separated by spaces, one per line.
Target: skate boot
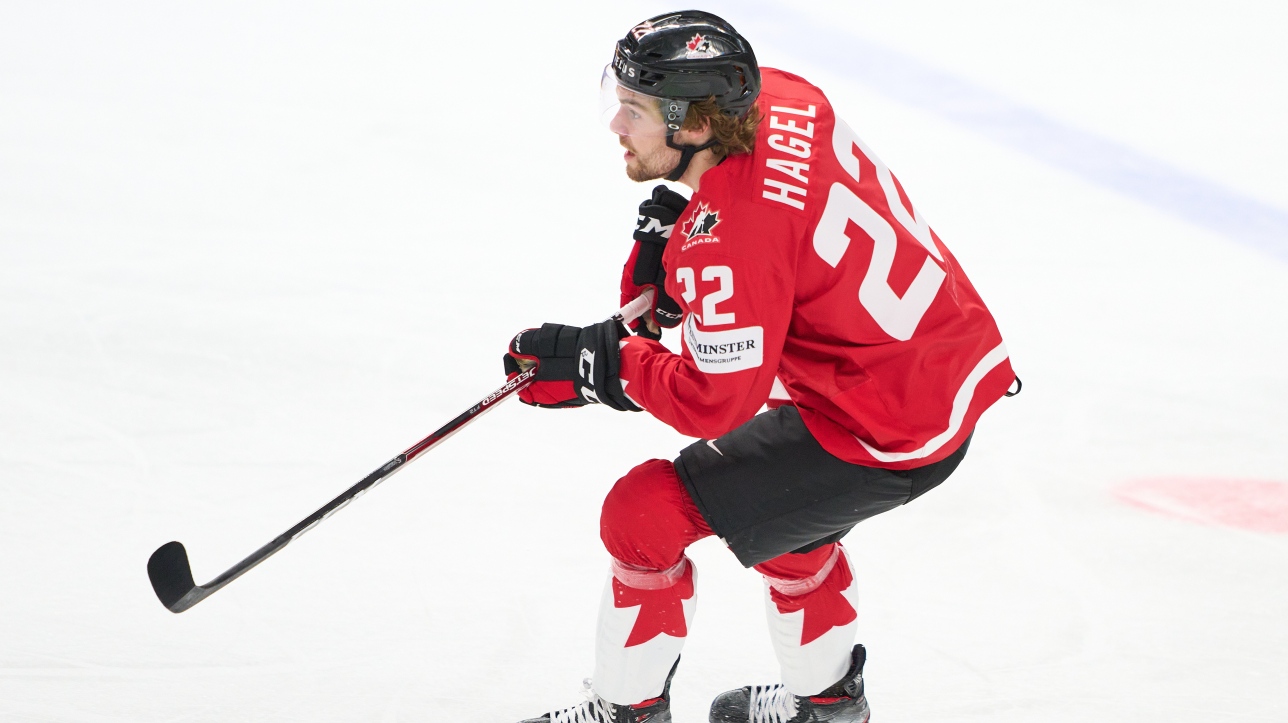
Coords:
pixel 844 702
pixel 597 710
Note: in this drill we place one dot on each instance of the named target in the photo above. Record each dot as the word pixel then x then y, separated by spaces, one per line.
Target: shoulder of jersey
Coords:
pixel 743 208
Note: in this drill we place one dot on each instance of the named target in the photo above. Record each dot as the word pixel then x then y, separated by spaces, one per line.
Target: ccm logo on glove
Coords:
pixel 657 218
pixel 576 366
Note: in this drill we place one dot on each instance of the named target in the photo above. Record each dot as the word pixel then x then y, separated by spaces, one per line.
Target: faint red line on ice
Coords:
pixel 1248 504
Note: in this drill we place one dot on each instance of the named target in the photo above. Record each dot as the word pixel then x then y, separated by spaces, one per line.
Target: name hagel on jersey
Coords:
pixel 794 142
pixel 806 262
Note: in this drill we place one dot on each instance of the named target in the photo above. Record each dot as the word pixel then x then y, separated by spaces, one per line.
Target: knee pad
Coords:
pixel 648 518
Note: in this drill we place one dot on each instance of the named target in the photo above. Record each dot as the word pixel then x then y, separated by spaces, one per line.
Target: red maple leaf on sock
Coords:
pixel 661 611
pixel 825 607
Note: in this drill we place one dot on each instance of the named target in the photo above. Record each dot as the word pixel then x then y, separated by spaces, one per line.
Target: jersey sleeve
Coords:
pixel 737 306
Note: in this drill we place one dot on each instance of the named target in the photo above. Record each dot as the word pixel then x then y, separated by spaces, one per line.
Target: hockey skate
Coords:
pixel 597 710
pixel 844 702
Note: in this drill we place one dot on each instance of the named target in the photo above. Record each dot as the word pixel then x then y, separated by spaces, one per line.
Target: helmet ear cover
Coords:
pixel 674 112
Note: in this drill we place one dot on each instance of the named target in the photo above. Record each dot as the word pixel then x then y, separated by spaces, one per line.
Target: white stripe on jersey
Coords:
pixel 961 402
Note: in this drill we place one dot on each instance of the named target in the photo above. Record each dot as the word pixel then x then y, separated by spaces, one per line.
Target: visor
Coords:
pixel 629 113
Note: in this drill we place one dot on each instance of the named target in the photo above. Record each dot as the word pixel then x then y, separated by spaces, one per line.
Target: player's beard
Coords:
pixel 652 166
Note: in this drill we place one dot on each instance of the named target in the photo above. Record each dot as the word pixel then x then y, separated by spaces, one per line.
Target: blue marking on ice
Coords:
pixel 1098 160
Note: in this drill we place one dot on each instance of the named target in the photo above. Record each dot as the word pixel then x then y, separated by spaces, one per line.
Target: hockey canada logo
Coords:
pixel 699 47
pixel 700 227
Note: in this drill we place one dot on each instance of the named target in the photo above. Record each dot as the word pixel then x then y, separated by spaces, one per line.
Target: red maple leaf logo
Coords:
pixel 702 222
pixel 661 611
pixel 697 42
pixel 825 607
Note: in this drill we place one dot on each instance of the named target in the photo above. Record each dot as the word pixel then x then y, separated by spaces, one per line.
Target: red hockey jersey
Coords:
pixel 805 261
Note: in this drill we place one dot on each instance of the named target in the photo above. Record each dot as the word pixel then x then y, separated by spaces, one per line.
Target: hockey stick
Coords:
pixel 171 573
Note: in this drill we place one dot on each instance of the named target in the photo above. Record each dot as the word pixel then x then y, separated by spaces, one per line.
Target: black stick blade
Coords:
pixel 171 576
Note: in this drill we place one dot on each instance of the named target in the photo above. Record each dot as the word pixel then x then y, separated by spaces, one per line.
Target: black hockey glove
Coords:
pixel 575 366
pixel 657 218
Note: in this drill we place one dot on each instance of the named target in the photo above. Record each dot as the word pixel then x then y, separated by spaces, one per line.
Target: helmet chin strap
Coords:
pixel 687 152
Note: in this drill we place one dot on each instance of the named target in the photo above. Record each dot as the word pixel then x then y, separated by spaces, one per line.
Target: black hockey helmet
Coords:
pixel 689 56
pixel 680 58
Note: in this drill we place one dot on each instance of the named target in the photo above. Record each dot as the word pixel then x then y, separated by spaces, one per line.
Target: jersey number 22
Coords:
pixel 897 315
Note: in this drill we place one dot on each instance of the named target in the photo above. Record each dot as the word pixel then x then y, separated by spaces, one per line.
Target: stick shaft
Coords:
pixel 484 405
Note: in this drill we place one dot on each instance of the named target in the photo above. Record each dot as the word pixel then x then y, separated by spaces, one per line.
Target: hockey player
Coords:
pixel 798 264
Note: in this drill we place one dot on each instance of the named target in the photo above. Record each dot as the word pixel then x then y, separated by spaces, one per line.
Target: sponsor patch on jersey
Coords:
pixel 722 352
pixel 700 227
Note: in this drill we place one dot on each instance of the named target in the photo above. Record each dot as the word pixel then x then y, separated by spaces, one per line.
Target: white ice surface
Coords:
pixel 249 251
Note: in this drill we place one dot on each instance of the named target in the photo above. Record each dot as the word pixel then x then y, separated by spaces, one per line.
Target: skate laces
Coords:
pixel 592 710
pixel 771 704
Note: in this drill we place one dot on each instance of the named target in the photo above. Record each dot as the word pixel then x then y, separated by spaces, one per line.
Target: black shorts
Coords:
pixel 768 487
